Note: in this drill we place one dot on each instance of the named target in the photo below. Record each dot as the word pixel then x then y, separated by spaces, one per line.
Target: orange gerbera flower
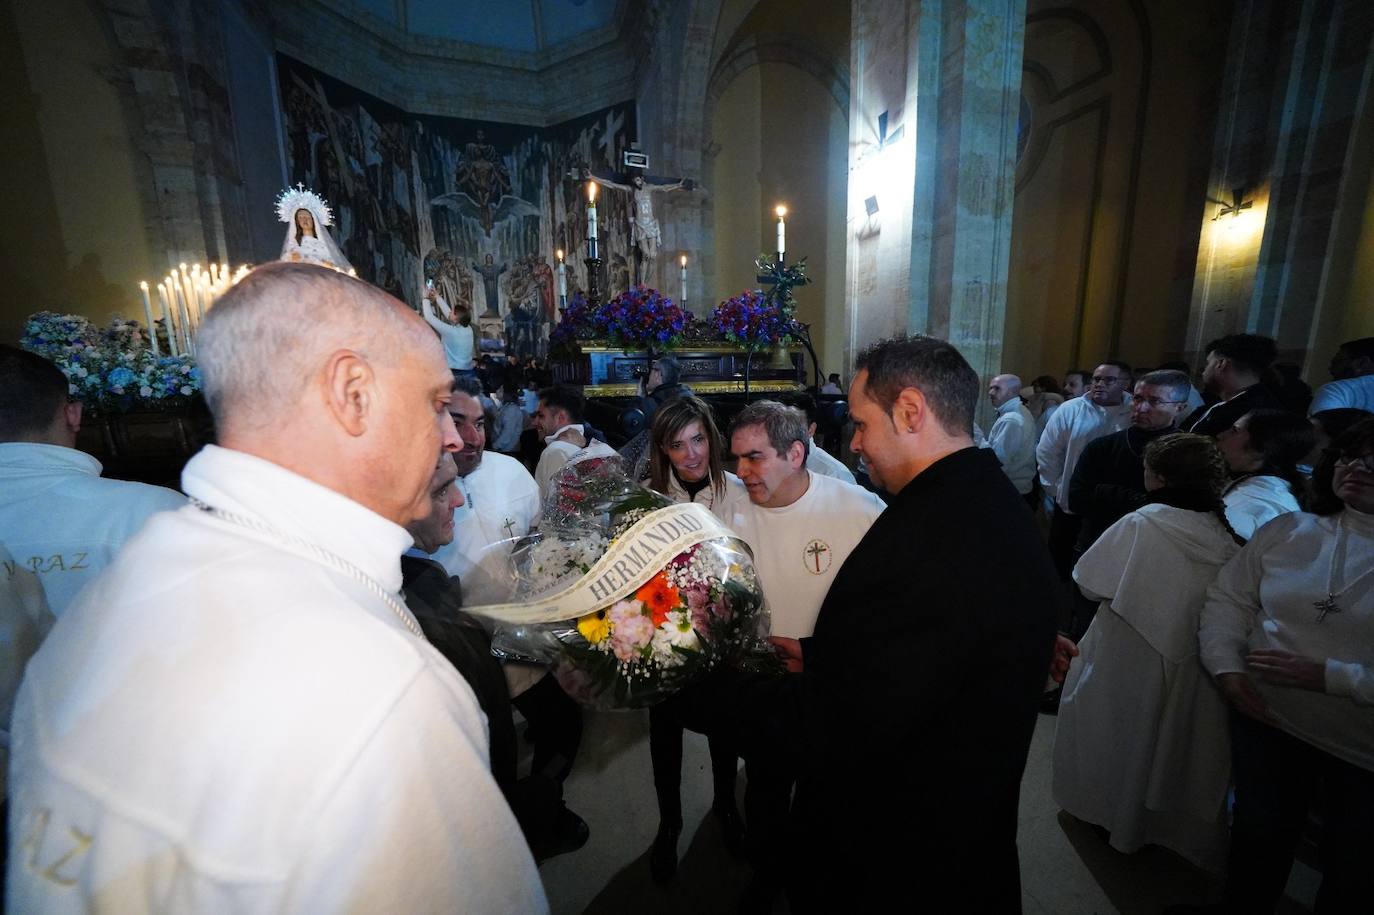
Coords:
pixel 659 597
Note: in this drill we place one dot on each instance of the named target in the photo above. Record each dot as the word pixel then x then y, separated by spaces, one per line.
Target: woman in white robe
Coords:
pixel 1262 450
pixel 1141 747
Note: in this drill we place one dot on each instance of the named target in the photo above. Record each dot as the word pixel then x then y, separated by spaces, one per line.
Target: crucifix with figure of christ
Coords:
pixel 645 233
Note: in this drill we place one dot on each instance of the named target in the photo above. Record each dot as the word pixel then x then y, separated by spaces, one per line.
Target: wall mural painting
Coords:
pixel 477 207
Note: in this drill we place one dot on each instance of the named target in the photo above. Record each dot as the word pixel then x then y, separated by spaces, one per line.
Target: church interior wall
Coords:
pixel 76 237
pixel 1345 307
pixel 1111 180
pixel 778 135
pixel 421 197
pixel 879 293
pixel 1289 144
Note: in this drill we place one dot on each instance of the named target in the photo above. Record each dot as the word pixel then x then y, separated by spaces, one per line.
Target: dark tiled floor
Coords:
pixel 1066 868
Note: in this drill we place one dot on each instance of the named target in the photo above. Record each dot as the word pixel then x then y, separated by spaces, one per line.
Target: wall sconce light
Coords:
pixel 884 138
pixel 1234 208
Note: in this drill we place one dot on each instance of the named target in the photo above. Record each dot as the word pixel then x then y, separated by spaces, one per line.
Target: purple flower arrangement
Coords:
pixel 575 324
pixel 641 317
pixel 750 320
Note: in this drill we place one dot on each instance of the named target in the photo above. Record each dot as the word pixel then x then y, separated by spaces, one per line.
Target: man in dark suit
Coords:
pixel 1235 365
pixel 913 714
pixel 436 600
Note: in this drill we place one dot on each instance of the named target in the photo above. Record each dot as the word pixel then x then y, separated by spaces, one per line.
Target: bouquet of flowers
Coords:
pixel 751 320
pixel 627 595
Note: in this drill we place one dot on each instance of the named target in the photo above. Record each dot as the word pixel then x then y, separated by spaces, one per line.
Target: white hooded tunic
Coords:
pixel 1142 746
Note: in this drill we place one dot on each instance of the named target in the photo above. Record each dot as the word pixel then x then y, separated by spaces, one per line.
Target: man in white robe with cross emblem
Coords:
pixel 800 526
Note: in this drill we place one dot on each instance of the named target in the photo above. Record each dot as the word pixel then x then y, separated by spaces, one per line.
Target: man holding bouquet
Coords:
pixel 913 713
pixel 800 527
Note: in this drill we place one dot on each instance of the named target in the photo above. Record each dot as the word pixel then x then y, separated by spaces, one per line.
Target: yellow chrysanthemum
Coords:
pixel 594 627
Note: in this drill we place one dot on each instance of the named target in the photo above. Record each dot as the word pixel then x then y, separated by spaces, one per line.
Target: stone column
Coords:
pixel 933 257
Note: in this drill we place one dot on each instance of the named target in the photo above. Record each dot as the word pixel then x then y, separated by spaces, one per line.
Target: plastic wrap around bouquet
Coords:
pixel 627 595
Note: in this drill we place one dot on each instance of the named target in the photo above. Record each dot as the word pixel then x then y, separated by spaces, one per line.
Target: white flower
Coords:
pixel 186 389
pixel 662 647
pixel 145 391
pixel 676 631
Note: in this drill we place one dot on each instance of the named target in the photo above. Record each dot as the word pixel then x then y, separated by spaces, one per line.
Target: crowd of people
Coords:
pixel 266 693
pixel 1215 702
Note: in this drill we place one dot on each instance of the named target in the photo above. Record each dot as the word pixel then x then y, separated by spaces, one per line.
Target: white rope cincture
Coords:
pixel 319 553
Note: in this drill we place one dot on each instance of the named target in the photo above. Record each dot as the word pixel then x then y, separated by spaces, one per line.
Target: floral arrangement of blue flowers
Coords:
pixel 111 370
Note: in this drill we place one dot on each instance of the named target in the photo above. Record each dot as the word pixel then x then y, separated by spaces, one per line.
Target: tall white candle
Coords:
pixel 683 299
pixel 591 219
pixel 562 279
pixel 187 331
pixel 148 314
pixel 782 230
pixel 183 318
pixel 169 299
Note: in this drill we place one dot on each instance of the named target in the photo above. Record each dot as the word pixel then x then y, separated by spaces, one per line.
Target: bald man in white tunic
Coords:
pixel 258 724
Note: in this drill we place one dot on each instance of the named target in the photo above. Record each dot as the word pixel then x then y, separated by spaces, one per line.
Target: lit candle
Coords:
pixel 562 281
pixel 183 299
pixel 169 297
pixel 782 230
pixel 148 313
pixel 591 219
pixel 683 299
pixel 186 328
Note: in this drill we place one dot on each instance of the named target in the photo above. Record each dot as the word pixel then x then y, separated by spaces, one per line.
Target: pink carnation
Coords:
pixel 631 630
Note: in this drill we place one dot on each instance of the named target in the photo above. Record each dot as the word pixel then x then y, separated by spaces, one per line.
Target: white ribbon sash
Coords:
pixel 635 557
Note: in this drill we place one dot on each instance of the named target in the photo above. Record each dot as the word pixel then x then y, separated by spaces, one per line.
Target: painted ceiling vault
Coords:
pixel 524 26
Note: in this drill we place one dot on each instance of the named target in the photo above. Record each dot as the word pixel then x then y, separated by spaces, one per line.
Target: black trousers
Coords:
pixel 557 723
pixel 1064 530
pixel 667 720
pixel 1277 778
pixel 767 806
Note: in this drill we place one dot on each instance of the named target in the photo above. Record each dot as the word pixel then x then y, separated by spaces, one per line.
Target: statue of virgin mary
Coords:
pixel 307 219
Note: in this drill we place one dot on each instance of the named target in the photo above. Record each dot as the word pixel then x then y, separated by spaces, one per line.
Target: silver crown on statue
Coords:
pixel 299 198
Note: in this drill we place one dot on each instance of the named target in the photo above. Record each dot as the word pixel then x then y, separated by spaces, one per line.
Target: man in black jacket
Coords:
pixel 1235 366
pixel 1109 478
pixel 913 714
